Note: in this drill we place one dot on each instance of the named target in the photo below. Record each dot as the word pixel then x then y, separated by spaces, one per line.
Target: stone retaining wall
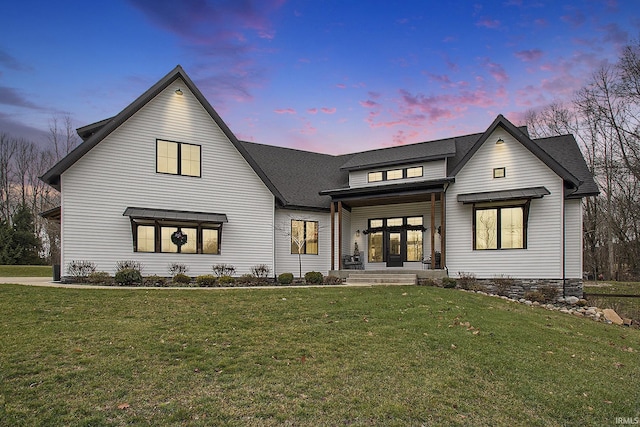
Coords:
pixel 516 288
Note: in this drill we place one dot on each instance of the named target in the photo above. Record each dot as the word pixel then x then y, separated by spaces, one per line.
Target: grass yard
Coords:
pixel 323 356
pixel 26 271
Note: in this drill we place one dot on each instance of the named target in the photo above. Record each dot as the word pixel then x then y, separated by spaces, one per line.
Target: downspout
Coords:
pixel 564 244
pixel 443 233
pixel 273 253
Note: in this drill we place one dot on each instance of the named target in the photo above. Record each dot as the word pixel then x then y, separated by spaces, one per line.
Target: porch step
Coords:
pixel 382 279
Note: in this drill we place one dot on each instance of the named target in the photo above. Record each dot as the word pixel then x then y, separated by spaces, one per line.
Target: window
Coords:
pixel 178 158
pixel 375 176
pixel 146 238
pixel 394 174
pixel 304 237
pixel 375 241
pixel 414 239
pixel 500 227
pixel 499 172
pixel 414 172
pixel 389 175
pixel 159 237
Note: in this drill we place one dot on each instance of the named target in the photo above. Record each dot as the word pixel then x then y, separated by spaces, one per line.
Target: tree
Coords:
pixel 24 240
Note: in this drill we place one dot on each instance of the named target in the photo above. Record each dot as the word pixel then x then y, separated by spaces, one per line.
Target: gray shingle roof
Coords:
pixel 398 155
pixel 498 196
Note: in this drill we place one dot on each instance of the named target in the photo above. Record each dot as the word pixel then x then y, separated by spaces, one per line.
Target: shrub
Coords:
pixel 129 265
pixel 332 280
pixel 313 277
pixel 250 279
pixel 285 278
pixel 206 281
pixel 550 292
pixel 224 270
pixel 260 270
pixel 448 282
pixel 534 296
pixel 427 282
pixel 154 281
pixel 176 268
pixel 226 281
pixel 466 281
pixel 503 285
pixel 182 279
pixel 80 270
pixel 128 277
pixel 99 278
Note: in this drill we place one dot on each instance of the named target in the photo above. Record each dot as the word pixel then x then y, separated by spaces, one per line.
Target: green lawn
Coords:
pixel 322 356
pixel 26 271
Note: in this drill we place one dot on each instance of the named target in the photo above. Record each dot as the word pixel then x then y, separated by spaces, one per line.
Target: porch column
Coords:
pixel 433 231
pixel 339 235
pixel 333 235
pixel 442 230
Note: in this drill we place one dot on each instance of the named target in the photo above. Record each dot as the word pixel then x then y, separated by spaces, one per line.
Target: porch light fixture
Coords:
pixel 499 141
pixel 178 92
pixel 357 233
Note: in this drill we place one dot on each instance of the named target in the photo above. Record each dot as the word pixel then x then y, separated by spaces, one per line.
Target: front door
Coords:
pixel 394 248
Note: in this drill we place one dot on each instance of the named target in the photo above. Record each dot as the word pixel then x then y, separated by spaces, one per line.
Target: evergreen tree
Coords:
pixel 8 253
pixel 25 247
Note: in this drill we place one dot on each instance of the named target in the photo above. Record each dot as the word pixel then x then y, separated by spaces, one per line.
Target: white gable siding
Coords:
pixel 435 169
pixel 573 236
pixel 121 172
pixel 286 262
pixel 543 256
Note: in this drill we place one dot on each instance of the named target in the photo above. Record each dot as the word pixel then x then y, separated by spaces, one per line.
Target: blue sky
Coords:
pixel 329 76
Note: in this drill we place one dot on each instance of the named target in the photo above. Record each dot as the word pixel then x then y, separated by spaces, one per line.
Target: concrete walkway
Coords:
pixel 47 282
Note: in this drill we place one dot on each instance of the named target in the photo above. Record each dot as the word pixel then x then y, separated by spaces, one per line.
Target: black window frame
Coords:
pixel 179 158
pixel 303 249
pixel 158 225
pixel 404 174
pixel 526 206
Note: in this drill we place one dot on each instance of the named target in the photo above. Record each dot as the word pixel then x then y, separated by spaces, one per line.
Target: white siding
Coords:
pixel 286 262
pixel 543 256
pixel 435 169
pixel 121 171
pixel 573 238
pixel 359 221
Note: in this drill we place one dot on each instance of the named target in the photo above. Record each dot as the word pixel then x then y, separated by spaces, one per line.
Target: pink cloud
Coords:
pixel 529 55
pixel 327 110
pixel 285 111
pixel 312 110
pixel 488 23
pixel 497 71
pixel 369 103
pixel 341 86
pixel 401 137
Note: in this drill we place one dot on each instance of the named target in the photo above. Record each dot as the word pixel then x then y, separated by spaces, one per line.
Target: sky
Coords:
pixel 320 75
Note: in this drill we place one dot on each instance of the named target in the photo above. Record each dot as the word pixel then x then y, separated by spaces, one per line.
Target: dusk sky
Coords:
pixel 327 76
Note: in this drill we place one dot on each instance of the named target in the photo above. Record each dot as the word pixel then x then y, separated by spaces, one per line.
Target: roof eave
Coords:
pixel 397 162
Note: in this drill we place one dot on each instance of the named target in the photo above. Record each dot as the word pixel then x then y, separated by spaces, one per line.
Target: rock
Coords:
pixel 582 302
pixel 626 322
pixel 536 303
pixel 527 302
pixel 560 300
pixel 590 312
pixel 521 300
pixel 571 300
pixel 565 311
pixel 577 313
pixel 611 316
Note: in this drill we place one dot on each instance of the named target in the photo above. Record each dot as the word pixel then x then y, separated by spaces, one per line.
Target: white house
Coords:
pixel 166 180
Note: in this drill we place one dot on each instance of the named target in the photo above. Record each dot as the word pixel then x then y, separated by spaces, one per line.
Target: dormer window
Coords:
pixel 375 176
pixel 394 174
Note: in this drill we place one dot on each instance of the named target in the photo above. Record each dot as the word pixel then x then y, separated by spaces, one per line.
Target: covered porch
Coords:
pixel 394 227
